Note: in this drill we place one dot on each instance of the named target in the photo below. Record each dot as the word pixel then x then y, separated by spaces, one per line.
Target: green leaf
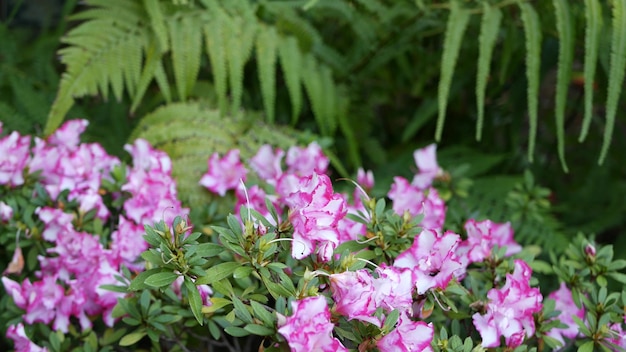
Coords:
pixel 616 72
pixel 236 331
pixel 186 49
pixel 242 272
pixel 391 320
pixel 593 16
pixel 138 282
pixel 161 279
pixel 266 44
pixel 195 301
pixel 241 310
pixel 532 31
pixel 455 29
pixel 133 337
pixel 586 347
pixel 291 63
pixel 259 330
pixel 489 27
pixel 261 312
pixel 566 56
pixel 209 249
pixel 618 276
pixel 218 272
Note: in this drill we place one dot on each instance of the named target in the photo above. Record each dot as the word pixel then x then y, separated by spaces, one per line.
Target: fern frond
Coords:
pixel 97 58
pixel 186 50
pixel 455 29
pixel 238 49
pixel 161 79
pixel 153 59
pixel 291 63
pixel 616 73
pixel 532 31
pixel 593 14
pixel 190 133
pixel 487 41
pixel 266 47
pixel 313 85
pixel 566 56
pixel 215 37
pixel 157 21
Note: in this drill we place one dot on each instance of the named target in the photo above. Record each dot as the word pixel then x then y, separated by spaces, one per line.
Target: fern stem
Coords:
pixel 566 56
pixel 593 12
pixel 616 72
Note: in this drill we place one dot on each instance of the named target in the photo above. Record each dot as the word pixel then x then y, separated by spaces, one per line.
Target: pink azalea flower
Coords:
pixel 127 243
pixel 353 292
pixel 510 310
pixel 224 174
pixel 365 178
pixel 407 197
pixel 267 163
pixel 619 335
pixel 565 304
pixel 21 341
pixel 483 235
pixel 394 288
pixel 432 259
pixel 68 135
pixel 6 212
pixel 309 327
pixel 147 158
pixel 408 336
pixel 306 161
pixel 152 188
pixel 315 211
pixel 55 220
pixel 14 156
pixel 426 161
pixel 255 200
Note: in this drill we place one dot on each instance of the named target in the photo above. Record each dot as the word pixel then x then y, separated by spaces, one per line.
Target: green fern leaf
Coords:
pixel 153 58
pixel 96 59
pixel 157 21
pixel 487 40
pixel 314 86
pixel 329 100
pixel 186 49
pixel 238 50
pixel 532 31
pixel 457 23
pixel 215 35
pixel 566 56
pixel 161 79
pixel 593 13
pixel 291 63
pixel 266 44
pixel 616 73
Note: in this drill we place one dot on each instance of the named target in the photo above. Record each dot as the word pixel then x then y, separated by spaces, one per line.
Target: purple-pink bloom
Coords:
pixel 426 161
pixel 6 212
pixel 127 243
pixel 255 200
pixel 353 292
pixel 224 174
pixel 618 335
pixel 565 304
pixel 147 158
pixel 510 310
pixel 309 327
pixel 482 236
pixel 267 163
pixel 68 135
pixel 55 220
pixel 315 211
pixel 365 178
pixel 14 156
pixel 21 342
pixel 432 259
pixel 408 336
pixel 306 161
pixel 407 197
pixel 394 288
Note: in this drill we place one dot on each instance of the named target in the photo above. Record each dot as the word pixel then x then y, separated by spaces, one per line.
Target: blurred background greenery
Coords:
pixel 362 77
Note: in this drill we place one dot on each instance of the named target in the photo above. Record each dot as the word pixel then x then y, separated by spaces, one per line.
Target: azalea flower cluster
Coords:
pixel 78 263
pixel 318 217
